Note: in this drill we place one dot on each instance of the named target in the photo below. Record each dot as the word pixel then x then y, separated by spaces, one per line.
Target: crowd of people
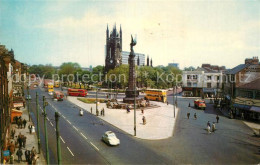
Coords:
pixel 17 144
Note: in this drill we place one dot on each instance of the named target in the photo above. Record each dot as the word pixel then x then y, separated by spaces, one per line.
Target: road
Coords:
pixel 231 143
pixel 82 138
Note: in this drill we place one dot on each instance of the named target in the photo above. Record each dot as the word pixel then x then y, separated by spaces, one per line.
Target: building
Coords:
pixel 201 82
pixel 241 89
pixel 176 65
pixel 125 56
pixel 113 49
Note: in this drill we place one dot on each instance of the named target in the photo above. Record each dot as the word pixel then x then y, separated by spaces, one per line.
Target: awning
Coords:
pixel 255 109
pixel 241 106
pixel 15 113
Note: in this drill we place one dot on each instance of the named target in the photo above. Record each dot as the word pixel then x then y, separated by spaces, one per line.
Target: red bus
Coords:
pixel 58 95
pixel 77 92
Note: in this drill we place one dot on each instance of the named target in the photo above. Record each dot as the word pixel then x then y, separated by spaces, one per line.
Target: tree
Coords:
pixel 68 69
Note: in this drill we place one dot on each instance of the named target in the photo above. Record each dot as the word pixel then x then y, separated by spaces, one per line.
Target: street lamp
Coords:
pixel 96 100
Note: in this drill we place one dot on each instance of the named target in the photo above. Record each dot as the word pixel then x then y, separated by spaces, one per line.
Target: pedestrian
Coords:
pixel 20 123
pixel 16 120
pixel 144 120
pixel 167 103
pixel 208 123
pixel 208 129
pixel 91 110
pixel 20 140
pixel 189 104
pixel 33 151
pixel 30 128
pixel 103 111
pixel 34 159
pixel 142 110
pixel 12 133
pixel 242 115
pixel 24 123
pixel 19 153
pixel 11 160
pixel 27 155
pixel 213 127
pixel 12 148
pixel 195 116
pixel 33 129
pixel 217 118
pixel 188 115
pixel 24 140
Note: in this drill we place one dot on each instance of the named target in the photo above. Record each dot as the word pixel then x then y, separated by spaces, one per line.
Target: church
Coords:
pixel 113 48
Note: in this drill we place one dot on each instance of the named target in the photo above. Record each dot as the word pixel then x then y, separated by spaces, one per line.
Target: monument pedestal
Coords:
pixel 131 96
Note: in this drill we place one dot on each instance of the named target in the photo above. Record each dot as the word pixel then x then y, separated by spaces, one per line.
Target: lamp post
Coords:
pixel 58 137
pixel 96 101
pixel 134 110
pixel 45 130
pixel 38 124
pixel 28 106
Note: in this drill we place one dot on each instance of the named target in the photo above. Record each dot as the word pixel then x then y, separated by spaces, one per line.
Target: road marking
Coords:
pixel 84 136
pixel 48 119
pixel 94 146
pixel 76 128
pixel 70 151
pixel 68 121
pixel 62 139
pixel 51 123
pixel 64 117
pixel 55 129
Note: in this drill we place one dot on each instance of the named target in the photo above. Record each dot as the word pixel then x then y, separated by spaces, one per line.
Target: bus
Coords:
pixel 56 84
pixel 77 92
pixel 58 95
pixel 50 87
pixel 156 95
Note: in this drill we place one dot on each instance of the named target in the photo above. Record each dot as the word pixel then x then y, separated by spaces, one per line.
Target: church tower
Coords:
pixel 151 63
pixel 113 49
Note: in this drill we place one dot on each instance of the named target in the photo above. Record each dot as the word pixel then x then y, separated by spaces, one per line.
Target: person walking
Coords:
pixel 213 127
pixel 208 123
pixel 19 153
pixel 27 154
pixel 188 115
pixel 30 128
pixel 242 116
pixel 24 141
pixel 12 133
pixel 208 129
pixel 217 117
pixel 33 151
pixel 20 140
pixel 24 123
pixel 195 116
pixel 144 120
pixel 12 148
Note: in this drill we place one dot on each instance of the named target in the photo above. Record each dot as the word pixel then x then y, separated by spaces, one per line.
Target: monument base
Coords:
pixel 131 100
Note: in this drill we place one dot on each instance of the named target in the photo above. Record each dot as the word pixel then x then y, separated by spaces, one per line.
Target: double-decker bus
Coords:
pixel 50 87
pixel 58 95
pixel 156 95
pixel 56 84
pixel 77 92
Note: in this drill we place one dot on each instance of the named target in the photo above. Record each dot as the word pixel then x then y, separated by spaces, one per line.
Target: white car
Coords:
pixel 110 138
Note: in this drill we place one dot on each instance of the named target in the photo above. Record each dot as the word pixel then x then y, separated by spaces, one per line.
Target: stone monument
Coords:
pixel 130 91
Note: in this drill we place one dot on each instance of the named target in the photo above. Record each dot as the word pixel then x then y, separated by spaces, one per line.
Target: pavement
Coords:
pixel 31 140
pixel 160 120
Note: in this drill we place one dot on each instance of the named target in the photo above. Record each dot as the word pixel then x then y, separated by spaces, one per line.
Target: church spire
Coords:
pixel 121 37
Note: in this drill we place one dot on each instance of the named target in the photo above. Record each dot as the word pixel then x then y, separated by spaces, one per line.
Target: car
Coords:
pixel 200 104
pixel 110 138
pixel 28 97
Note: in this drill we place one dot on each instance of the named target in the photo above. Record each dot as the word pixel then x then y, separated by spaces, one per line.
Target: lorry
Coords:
pixel 199 104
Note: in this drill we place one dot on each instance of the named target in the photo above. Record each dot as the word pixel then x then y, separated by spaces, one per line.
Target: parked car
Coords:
pixel 110 138
pixel 28 97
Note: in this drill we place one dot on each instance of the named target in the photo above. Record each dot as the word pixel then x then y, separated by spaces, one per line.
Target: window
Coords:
pixel 189 84
pixel 195 77
pixel 195 84
pixel 218 78
pixel 217 85
pixel 188 77
pixel 257 95
pixel 208 77
pixel 208 85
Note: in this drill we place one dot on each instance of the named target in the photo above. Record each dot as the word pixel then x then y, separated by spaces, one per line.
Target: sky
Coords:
pixel 189 32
